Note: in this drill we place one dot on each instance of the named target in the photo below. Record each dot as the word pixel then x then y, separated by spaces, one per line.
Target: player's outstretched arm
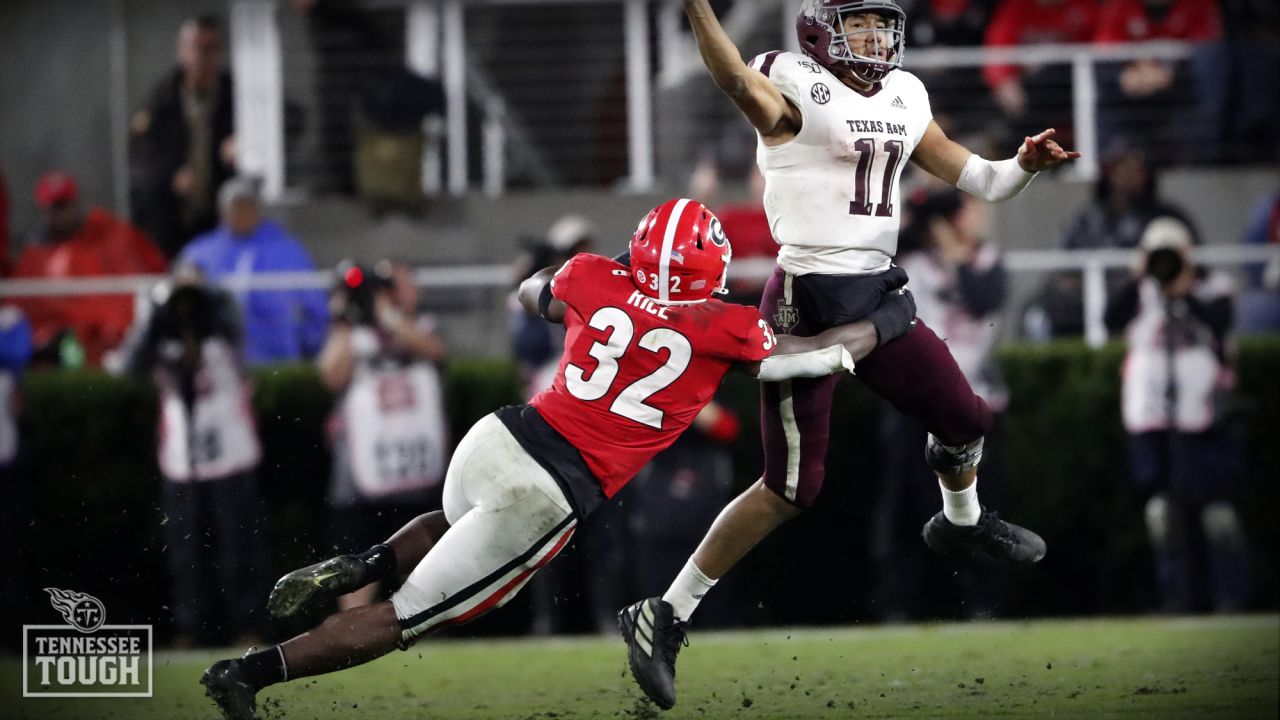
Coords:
pixel 839 348
pixel 950 161
pixel 757 98
pixel 535 296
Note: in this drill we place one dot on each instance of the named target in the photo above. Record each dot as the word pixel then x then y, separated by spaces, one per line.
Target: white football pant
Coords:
pixel 507 518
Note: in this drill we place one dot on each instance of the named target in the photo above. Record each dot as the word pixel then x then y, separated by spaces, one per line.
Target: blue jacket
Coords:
pixel 16 344
pixel 279 325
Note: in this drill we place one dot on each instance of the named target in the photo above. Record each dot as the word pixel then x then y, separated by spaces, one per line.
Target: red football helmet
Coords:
pixel 679 253
pixel 821 30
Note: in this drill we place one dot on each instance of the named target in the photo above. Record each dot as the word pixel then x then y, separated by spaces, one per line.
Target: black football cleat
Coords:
pixel 225 684
pixel 328 579
pixel 992 539
pixel 654 638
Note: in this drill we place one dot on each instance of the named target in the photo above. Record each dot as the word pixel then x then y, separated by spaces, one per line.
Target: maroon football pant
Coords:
pixel 916 373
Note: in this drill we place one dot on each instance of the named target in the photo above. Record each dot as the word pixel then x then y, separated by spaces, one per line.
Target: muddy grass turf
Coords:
pixel 1125 668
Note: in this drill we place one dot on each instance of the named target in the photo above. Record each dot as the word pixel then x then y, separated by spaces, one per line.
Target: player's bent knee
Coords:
pixel 791 499
pixel 955 415
pixel 773 502
pixel 952 459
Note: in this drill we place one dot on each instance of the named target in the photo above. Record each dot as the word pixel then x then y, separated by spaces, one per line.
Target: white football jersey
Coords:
pixel 831 192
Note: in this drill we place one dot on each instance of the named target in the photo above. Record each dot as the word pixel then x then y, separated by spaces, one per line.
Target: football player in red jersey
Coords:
pixel 646 346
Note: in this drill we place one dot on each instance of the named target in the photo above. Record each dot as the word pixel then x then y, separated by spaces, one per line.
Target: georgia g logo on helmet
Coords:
pixel 847 35
pixel 715 232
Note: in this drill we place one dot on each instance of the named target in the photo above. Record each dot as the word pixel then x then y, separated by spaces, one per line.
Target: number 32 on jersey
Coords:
pixel 630 403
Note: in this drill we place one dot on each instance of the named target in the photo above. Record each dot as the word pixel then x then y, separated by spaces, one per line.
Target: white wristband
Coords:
pixel 812 364
pixel 993 181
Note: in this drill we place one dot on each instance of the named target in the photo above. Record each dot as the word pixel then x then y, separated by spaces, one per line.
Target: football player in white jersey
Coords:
pixel 836 125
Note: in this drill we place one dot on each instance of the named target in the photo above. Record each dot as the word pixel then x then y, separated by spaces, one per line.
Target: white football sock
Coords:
pixel 962 507
pixel 688 589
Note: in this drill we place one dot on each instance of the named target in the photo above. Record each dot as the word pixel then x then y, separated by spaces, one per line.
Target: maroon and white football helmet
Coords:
pixel 679 253
pixel 821 29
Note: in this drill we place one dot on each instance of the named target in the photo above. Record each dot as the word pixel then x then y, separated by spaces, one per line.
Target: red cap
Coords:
pixel 56 187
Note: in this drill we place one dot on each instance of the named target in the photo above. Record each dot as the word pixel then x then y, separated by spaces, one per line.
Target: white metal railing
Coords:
pixel 1083 59
pixel 1093 264
pixel 256 60
pixel 436 46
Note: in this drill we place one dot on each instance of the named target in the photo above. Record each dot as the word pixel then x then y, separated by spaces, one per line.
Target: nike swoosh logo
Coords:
pixel 319 579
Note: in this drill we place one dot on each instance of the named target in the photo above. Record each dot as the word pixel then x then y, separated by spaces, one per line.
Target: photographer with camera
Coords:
pixel 1183 452
pixel 191 346
pixel 388 431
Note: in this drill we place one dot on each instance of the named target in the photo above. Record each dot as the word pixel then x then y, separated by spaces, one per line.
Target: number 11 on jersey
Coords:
pixel 861 204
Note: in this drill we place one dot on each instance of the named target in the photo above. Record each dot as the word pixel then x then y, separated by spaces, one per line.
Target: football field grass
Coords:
pixel 1124 668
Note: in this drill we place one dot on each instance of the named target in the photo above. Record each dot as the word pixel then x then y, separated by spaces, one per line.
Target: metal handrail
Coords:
pixel 1092 263
pixel 500 276
pixel 1063 53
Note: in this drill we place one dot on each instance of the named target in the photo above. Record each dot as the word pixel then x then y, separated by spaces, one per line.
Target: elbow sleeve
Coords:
pixel 993 181
pixel 812 364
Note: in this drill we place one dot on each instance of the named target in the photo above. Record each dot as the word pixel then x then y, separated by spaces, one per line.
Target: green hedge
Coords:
pixel 92 519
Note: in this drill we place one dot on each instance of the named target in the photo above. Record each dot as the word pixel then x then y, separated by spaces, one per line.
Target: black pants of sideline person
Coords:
pixel 15 514
pixel 913 582
pixel 211 529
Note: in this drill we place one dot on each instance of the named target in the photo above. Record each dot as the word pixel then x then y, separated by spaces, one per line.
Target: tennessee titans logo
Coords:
pixel 84 612
pixel 820 93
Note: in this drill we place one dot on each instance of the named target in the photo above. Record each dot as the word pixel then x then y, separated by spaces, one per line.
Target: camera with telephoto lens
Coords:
pixel 1164 264
pixel 362 284
pixel 188 310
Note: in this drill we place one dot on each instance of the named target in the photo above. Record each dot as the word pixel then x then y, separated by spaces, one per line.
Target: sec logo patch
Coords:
pixel 820 93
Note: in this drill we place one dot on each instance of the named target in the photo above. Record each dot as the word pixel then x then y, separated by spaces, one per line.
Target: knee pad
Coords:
pixel 1157 516
pixel 952 459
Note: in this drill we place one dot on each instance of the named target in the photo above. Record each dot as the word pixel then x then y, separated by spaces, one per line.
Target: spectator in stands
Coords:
pixel 73 243
pixel 190 346
pixel 960 285
pixel 1183 451
pixel 955 95
pixel 388 431
pixel 1239 87
pixel 1040 92
pixel 280 325
pixel 358 48
pixel 1125 201
pixel 182 146
pixel 1151 98
pixel 747 227
pixel 951 23
pixel 535 343
pixel 1260 302
pixel 731 159
pixel 15 352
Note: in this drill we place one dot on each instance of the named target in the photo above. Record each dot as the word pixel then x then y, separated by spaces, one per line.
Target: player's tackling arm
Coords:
pixel 838 348
pixel 758 99
pixel 535 296
pixel 949 161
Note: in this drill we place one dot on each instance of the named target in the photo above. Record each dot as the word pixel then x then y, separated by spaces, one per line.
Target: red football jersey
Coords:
pixel 635 373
